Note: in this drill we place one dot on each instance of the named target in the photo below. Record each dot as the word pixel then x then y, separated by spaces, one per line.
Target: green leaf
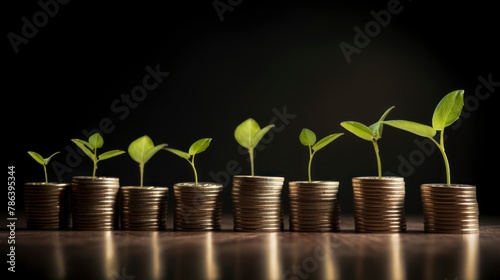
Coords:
pixel 85 143
pixel 307 137
pixel 358 129
pixel 179 153
pixel 245 132
pixel 199 146
pixel 151 152
pixel 85 147
pixel 413 127
pixel 47 160
pixel 143 148
pixel 448 110
pixel 257 137
pixel 248 133
pixel 377 127
pixel 110 154
pixel 96 141
pixel 37 157
pixel 325 141
pixel 139 147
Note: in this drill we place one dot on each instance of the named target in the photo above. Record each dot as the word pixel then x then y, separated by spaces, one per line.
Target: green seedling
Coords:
pixel 308 138
pixel 90 147
pixel 445 114
pixel 43 161
pixel 371 133
pixel 248 134
pixel 196 148
pixel 141 150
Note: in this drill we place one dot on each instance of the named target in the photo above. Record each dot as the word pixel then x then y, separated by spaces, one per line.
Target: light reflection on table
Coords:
pixel 252 255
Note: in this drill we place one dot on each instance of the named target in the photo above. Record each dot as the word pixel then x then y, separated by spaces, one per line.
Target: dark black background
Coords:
pixel 263 57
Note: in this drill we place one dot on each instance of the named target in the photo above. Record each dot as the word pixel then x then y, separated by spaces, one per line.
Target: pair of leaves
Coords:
pixel 308 138
pixel 142 149
pixel 248 134
pixel 43 161
pixel 196 148
pixel 445 114
pixel 369 133
pixel 38 158
pixel 90 147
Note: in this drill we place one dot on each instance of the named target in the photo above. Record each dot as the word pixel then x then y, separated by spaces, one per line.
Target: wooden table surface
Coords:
pixel 227 254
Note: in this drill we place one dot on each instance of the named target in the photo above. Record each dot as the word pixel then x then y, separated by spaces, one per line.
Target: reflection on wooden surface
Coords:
pixel 253 255
pixel 470 257
pixel 59 260
pixel 109 255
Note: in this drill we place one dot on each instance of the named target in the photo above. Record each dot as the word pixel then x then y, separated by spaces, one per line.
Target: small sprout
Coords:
pixel 308 138
pixel 95 142
pixel 446 113
pixel 141 150
pixel 196 148
pixel 370 133
pixel 248 134
pixel 43 161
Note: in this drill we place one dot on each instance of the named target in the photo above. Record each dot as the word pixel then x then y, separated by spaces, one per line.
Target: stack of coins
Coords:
pixel 257 203
pixel 94 202
pixel 379 204
pixel 314 206
pixel 450 209
pixel 143 208
pixel 47 205
pixel 197 208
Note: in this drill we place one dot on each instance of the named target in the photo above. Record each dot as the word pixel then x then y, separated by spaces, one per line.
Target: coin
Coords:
pixel 379 204
pixel 314 206
pixel 450 209
pixel 256 202
pixel 197 208
pixel 94 202
pixel 143 208
pixel 47 205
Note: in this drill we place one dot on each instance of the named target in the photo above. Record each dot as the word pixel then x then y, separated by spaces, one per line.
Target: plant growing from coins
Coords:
pixel 248 134
pixel 371 133
pixel 43 161
pixel 141 150
pixel 90 147
pixel 195 148
pixel 308 138
pixel 445 114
